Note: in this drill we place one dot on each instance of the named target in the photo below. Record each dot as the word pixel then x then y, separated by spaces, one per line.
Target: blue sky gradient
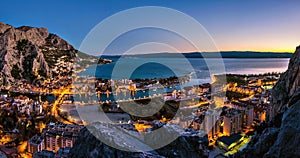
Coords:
pixel 268 25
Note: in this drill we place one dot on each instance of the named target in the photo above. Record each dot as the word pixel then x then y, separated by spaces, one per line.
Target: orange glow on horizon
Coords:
pixel 248 50
pixel 241 46
pixel 266 50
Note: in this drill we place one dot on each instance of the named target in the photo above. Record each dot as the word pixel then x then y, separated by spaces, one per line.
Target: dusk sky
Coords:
pixel 268 25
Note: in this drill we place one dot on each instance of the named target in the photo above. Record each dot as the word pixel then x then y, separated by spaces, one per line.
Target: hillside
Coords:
pixel 27 52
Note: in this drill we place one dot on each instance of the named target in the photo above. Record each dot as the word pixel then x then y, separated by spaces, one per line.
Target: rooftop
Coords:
pixel 232 112
pixel 228 140
pixel 36 139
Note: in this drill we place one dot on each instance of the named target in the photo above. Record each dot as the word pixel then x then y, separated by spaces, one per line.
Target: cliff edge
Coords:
pixel 280 136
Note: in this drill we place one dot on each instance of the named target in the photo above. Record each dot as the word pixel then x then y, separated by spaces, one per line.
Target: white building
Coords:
pixel 232 122
pixel 211 123
pixel 36 144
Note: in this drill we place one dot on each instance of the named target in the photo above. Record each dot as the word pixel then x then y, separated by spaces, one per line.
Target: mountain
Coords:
pixel 280 136
pixel 26 52
pixel 227 54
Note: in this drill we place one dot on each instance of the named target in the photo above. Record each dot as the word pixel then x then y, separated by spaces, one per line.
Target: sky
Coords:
pixel 234 25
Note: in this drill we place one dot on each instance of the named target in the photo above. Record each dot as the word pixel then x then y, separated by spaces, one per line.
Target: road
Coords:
pixel 58 101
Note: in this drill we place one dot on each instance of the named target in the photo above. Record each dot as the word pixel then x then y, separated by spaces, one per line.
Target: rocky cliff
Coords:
pixel 280 137
pixel 26 52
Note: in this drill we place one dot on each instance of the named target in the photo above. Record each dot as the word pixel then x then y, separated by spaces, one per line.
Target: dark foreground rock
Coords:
pixel 88 146
pixel 281 135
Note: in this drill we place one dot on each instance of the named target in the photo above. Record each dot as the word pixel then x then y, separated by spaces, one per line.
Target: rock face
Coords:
pixel 88 146
pixel 287 85
pixel 280 136
pixel 27 51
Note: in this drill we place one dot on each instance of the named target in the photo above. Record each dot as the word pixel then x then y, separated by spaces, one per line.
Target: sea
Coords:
pixel 200 69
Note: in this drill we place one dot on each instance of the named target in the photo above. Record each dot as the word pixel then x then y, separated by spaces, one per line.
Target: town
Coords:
pixel 40 119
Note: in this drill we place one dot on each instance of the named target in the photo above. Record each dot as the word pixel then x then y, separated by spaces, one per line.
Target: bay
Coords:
pixel 167 67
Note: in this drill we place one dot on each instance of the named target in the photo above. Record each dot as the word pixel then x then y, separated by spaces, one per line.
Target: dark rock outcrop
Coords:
pixel 88 146
pixel 287 85
pixel 281 135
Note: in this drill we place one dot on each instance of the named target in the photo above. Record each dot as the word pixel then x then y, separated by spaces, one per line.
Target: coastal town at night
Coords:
pixel 35 121
pixel 149 79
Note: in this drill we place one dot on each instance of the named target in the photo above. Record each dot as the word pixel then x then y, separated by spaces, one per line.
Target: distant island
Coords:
pixel 224 54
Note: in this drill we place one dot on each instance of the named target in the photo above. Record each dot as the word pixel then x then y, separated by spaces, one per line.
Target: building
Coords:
pixel 60 136
pixel 247 111
pixel 36 106
pixel 26 106
pixel 211 123
pixel 247 116
pixel 36 144
pixel 232 122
